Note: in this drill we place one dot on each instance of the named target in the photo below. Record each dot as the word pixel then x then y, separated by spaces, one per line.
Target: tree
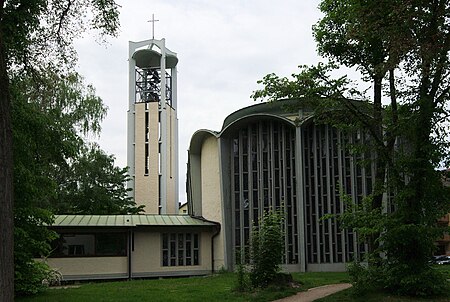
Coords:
pixel 33 36
pixel 382 39
pixel 93 185
pixel 50 120
pixel 364 34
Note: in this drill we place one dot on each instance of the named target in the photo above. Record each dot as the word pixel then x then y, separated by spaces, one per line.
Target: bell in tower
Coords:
pixel 153 126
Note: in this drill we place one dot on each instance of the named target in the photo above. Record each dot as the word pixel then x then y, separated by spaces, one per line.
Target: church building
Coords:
pixel 264 157
pixel 159 242
pixel 268 156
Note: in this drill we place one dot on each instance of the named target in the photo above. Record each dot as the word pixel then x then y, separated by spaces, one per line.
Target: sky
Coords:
pixel 223 48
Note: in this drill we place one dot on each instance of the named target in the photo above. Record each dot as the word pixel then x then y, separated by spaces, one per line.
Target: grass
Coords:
pixel 210 288
pixel 347 295
pixel 217 287
pixel 445 269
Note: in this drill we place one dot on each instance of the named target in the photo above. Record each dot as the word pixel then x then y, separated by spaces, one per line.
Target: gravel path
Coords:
pixel 316 293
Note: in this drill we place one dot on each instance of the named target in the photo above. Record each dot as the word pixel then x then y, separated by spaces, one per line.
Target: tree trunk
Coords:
pixel 380 164
pixel 6 184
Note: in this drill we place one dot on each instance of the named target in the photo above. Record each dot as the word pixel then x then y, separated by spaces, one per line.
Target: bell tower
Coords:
pixel 152 152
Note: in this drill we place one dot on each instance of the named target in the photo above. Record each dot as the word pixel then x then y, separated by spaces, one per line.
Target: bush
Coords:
pixel 34 277
pixel 363 279
pixel 398 279
pixel 424 281
pixel 267 248
pixel 243 280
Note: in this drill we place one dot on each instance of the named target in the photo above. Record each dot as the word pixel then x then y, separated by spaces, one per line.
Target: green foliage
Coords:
pixel 408 138
pixel 406 270
pixel 30 276
pixel 41 33
pixel 366 220
pixel 54 169
pixel 242 278
pixel 33 187
pixel 363 278
pixel 311 84
pixel 403 279
pixel 267 249
pixel 93 185
pixel 50 106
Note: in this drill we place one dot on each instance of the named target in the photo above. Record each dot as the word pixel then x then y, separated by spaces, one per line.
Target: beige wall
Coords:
pixel 183 210
pixel 146 259
pixel 147 255
pixel 211 193
pixel 172 200
pixel 146 186
pixel 96 267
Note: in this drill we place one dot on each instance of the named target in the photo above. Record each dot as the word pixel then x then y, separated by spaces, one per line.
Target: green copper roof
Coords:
pixel 128 220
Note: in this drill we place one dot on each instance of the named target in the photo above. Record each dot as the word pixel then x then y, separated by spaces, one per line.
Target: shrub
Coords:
pixel 29 278
pixel 424 281
pixel 267 249
pixel 364 279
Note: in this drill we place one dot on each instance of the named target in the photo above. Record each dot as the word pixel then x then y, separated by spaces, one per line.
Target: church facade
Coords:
pixel 264 157
pixel 267 157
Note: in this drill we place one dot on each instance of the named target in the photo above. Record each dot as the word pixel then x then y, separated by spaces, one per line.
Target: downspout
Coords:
pixel 130 245
pixel 217 228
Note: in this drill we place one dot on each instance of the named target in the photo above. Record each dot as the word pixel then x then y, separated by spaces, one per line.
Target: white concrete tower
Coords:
pixel 153 126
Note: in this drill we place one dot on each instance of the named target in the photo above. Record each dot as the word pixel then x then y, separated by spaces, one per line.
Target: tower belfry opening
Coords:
pixel 148 85
pixel 153 126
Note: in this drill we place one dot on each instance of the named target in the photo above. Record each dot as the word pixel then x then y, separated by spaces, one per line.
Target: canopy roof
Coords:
pixel 148 58
pixel 128 220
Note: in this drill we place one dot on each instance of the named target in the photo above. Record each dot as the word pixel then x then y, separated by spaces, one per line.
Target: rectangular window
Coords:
pixel 90 245
pixel 180 249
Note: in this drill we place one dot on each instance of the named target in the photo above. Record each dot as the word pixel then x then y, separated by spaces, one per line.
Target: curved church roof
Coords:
pixel 281 110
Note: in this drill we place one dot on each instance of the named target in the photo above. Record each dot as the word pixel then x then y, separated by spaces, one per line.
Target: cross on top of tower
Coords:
pixel 153 25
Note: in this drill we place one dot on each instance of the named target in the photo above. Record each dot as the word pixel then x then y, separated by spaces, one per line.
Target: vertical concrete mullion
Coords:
pixel 316 198
pixel 250 176
pixel 354 194
pixel 300 183
pixel 341 182
pixel 328 187
pixel 241 197
pixel 270 166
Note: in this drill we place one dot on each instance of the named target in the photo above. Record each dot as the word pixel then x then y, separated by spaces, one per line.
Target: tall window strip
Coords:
pixel 328 169
pixel 263 178
pixel 180 249
pixel 146 133
pixel 159 163
pixel 169 87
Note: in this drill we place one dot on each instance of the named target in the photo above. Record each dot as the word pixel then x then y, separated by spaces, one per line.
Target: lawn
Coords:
pixel 218 287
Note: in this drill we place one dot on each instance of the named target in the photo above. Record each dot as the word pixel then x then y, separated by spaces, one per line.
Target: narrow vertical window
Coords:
pixel 146 153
